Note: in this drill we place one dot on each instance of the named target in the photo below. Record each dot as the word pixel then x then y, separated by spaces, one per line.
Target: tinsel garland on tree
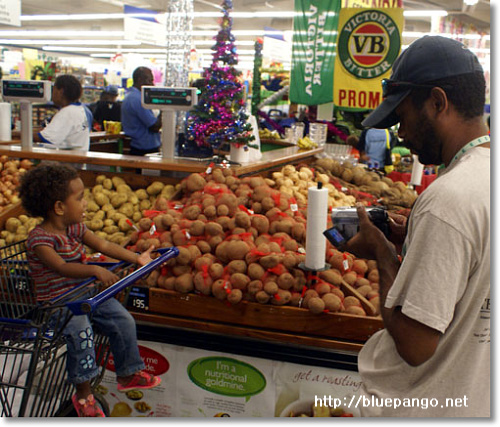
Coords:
pixel 257 64
pixel 220 115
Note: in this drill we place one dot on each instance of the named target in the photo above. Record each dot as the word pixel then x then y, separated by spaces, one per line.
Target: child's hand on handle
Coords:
pixel 145 257
pixel 106 277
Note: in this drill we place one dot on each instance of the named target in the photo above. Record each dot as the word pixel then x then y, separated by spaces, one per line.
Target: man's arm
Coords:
pixel 415 342
pixel 157 126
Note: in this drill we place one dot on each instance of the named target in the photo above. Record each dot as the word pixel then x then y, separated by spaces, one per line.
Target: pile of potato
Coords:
pixel 390 193
pixel 17 229
pixel 240 239
pixel 296 182
pixel 114 208
pixel 10 173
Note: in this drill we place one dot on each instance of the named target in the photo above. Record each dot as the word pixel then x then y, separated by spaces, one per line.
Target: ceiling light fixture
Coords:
pixel 39 42
pixel 60 33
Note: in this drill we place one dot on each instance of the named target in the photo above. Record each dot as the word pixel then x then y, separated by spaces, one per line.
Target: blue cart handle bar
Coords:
pixel 89 305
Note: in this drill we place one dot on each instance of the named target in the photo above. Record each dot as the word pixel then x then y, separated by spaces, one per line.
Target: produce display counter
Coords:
pixel 269 159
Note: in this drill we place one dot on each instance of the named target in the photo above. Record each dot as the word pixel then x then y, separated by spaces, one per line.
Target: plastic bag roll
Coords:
pixel 5 122
pixel 317 211
pixel 417 171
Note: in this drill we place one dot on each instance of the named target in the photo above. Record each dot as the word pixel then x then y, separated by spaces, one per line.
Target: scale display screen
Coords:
pixel 169 98
pixel 33 90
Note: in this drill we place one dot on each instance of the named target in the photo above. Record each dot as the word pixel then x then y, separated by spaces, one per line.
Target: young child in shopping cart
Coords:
pixel 56 255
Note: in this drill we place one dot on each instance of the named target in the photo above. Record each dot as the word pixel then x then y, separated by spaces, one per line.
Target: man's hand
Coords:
pixel 366 242
pixel 397 224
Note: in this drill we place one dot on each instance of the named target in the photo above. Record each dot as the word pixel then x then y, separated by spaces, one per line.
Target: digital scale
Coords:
pixel 26 92
pixel 168 100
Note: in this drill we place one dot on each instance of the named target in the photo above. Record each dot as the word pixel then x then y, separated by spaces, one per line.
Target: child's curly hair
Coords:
pixel 42 186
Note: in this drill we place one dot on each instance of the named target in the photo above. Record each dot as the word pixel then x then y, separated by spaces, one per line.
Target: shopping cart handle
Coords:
pixel 89 305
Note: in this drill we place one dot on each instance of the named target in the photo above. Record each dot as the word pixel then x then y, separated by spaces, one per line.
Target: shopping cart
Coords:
pixel 32 345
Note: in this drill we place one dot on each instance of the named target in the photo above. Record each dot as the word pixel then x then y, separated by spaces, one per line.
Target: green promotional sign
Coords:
pixel 313 52
pixel 226 376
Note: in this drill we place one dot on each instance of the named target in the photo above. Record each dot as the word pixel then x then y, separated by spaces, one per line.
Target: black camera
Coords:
pixel 346 224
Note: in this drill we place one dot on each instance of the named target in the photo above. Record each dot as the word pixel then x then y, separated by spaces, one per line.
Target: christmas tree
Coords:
pixel 220 115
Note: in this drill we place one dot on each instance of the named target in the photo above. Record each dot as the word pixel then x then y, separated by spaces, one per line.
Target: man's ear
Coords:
pixel 439 100
pixel 59 208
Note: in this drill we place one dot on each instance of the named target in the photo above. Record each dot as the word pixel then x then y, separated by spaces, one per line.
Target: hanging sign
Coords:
pixel 10 12
pixel 145 25
pixel 369 41
pixel 313 51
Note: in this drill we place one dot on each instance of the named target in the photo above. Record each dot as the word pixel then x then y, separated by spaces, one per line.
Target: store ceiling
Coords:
pixel 478 15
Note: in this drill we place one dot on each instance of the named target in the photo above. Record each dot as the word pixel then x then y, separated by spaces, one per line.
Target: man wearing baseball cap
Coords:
pixel 433 357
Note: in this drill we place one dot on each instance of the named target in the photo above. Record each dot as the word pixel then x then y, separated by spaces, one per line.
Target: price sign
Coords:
pixel 138 298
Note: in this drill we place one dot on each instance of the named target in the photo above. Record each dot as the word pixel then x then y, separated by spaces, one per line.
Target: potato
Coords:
pixel 235 296
pixel 255 271
pixel 213 229
pixel 351 301
pixel 262 297
pixel 360 267
pixel 192 212
pixel 197 228
pixel 195 182
pixel 222 210
pixel 118 199
pixel 204 246
pixel 331 276
pixel 373 276
pixel 184 257
pixel 117 180
pixel 282 297
pixel 152 279
pixel 101 199
pixel 236 250
pixel 286 281
pixel 145 224
pixel 338 292
pixel 361 281
pixel 350 278
pixel 358 311
pixel 363 290
pixel 269 261
pixel 240 281
pixel 216 270
pixel 332 302
pixel 271 287
pixel 210 212
pixel 155 188
pixel 203 283
pixel 144 205
pixel 242 220
pixel 221 288
pixel 141 194
pixel 237 266
pixel 316 305
pixel 184 283
pixel 255 286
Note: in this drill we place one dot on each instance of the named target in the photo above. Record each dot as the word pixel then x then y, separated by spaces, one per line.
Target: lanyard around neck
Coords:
pixel 474 143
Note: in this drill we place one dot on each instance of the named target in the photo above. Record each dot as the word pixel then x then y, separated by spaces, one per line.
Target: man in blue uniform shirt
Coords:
pixel 140 124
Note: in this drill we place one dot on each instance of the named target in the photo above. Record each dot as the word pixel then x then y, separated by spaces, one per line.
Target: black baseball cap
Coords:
pixel 427 59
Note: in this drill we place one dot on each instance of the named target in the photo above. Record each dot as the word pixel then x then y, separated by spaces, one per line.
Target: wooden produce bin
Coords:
pixel 265 321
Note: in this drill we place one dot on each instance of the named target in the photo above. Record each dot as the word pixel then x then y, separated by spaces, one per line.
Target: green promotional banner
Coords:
pixel 313 52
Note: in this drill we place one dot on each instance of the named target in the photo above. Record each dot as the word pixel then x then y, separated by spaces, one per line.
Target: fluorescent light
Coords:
pixel 60 33
pixel 470 2
pixel 425 13
pixel 418 34
pixel 70 42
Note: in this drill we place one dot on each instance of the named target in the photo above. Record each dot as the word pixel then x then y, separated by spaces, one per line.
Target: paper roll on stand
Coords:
pixel 317 214
pixel 5 122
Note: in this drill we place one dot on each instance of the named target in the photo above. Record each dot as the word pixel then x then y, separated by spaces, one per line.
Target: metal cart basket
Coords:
pixel 32 345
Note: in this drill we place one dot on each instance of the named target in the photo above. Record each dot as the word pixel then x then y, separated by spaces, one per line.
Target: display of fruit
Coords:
pixel 359 179
pixel 114 210
pixel 306 143
pixel 240 239
pixel 296 181
pixel 268 134
pixel 10 173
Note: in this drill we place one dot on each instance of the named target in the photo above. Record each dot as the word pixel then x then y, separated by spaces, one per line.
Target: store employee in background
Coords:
pixel 69 129
pixel 107 108
pixel 435 304
pixel 140 124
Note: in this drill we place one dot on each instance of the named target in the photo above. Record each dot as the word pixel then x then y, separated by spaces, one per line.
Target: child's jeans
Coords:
pixel 113 321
